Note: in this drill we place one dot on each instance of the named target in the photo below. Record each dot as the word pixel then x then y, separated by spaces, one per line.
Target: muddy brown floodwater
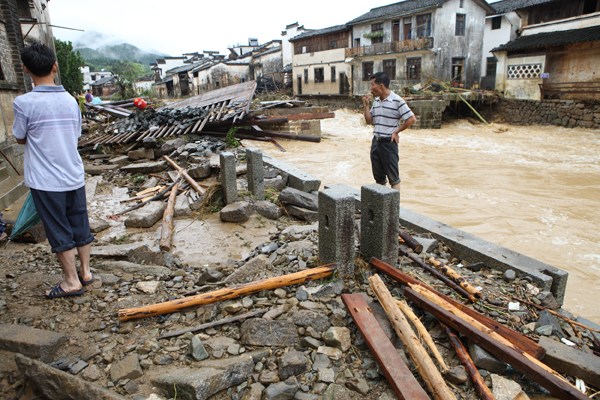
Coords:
pixel 532 189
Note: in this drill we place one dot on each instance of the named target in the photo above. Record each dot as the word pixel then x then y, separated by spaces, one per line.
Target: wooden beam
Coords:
pixel 396 372
pixel 226 293
pixel 520 340
pixel 494 344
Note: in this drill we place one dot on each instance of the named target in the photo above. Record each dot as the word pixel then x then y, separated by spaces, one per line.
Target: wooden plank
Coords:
pixel 308 116
pixel 521 341
pixel 396 372
pixel 502 349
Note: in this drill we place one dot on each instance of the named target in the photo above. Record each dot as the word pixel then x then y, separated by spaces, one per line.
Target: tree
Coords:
pixel 69 64
pixel 127 73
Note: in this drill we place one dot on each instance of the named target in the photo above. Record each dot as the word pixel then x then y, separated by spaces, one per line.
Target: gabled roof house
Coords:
pixel 555 51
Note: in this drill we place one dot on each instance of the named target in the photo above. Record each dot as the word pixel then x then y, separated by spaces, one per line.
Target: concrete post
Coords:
pixel 380 209
pixel 255 173
pixel 336 230
pixel 228 177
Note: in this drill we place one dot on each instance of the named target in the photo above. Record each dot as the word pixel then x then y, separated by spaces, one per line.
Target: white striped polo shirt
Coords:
pixel 388 113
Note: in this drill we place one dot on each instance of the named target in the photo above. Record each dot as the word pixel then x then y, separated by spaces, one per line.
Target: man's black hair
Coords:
pixel 38 58
pixel 381 77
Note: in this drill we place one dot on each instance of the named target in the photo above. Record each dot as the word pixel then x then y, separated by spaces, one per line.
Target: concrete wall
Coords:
pixel 322 59
pixel 509 24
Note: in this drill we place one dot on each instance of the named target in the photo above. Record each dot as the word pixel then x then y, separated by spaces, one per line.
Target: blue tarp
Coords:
pixel 27 218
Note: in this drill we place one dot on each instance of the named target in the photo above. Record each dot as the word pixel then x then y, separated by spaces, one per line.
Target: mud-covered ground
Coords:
pixel 208 255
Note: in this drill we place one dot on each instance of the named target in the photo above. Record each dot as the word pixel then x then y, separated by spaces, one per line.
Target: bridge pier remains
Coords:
pixel 228 177
pixel 255 173
pixel 336 230
pixel 380 208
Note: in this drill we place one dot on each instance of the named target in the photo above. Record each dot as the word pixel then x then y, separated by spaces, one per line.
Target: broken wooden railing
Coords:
pixel 226 293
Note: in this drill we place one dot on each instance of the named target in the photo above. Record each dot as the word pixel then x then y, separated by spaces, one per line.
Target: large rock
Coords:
pixel 299 198
pixel 146 216
pixel 262 332
pixel 237 212
pixel 254 269
pixel 571 361
pixel 145 168
pixel 32 342
pixel 127 368
pixel 52 383
pixel 205 379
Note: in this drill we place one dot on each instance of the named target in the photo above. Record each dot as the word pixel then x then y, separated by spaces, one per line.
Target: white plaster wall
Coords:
pixel 322 59
pixel 494 38
pixel 287 47
pixel 520 88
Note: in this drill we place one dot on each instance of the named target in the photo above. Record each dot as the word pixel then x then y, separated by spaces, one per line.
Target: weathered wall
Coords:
pixel 519 77
pixel 567 113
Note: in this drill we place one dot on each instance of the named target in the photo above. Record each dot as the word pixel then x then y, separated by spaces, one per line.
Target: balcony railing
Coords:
pixel 400 46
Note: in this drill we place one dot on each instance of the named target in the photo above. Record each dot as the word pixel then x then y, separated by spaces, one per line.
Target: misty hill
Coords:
pixel 117 52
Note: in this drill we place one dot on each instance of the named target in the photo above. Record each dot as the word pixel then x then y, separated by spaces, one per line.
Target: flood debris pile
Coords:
pixel 277 324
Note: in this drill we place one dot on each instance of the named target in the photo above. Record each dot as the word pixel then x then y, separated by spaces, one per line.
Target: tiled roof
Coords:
pixel 552 39
pixel 402 7
pixel 103 81
pixel 505 6
pixel 318 32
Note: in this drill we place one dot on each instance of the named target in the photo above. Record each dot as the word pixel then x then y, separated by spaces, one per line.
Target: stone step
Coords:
pixel 11 189
pixel 3 172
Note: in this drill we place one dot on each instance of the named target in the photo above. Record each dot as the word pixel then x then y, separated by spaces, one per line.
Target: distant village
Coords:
pixel 523 49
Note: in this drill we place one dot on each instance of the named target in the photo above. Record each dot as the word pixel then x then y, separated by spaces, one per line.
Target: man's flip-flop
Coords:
pixel 88 282
pixel 57 291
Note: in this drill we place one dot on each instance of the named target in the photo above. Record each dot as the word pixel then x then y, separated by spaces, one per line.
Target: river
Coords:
pixel 532 189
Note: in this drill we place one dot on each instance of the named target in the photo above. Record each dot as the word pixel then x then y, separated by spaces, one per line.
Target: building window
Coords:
pixel 333 44
pixel 407 28
pixel 377 33
pixel 490 66
pixel 458 65
pixel 460 24
pixel 332 74
pixel 389 67
pixel 357 42
pixel 462 3
pixel 497 22
pixel 423 25
pixel 413 68
pixel 23 9
pixel 306 75
pixel 367 70
pixel 319 75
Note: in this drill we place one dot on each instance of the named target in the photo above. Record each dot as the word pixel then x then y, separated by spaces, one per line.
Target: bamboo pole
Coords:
pixel 456 277
pixel 408 312
pixel 483 391
pixel 425 366
pixel 185 175
pixel 166 234
pixel 473 109
pixel 226 293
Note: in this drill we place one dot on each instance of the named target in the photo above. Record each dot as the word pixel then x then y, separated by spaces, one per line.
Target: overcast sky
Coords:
pixel 174 27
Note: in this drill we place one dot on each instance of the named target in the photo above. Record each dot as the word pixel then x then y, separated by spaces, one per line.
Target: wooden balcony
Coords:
pixel 401 46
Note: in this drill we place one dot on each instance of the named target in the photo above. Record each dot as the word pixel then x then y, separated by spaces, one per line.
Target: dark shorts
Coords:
pixel 384 161
pixel 65 218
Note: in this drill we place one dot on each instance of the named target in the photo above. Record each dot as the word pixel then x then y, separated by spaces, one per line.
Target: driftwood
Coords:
pixel 157 196
pixel 521 341
pixel 493 343
pixel 411 242
pixel 143 194
pixel 463 355
pixel 396 372
pixel 408 312
pixel 425 366
pixel 212 324
pixel 434 272
pixel 226 293
pixel 186 176
pixel 456 277
pixel 166 234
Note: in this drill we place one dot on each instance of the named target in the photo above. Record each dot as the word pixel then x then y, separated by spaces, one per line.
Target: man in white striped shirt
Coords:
pixel 389 116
